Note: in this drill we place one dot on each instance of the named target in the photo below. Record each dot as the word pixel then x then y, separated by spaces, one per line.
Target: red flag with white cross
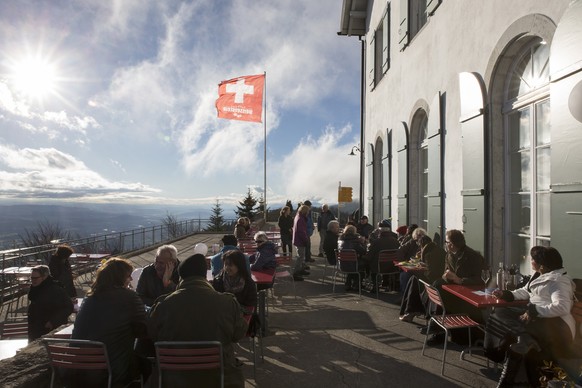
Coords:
pixel 241 98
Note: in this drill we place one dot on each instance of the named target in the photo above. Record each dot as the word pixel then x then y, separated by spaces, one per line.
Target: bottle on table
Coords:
pixel 501 277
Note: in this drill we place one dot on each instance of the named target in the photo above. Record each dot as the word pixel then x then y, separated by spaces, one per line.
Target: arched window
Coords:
pixel 527 143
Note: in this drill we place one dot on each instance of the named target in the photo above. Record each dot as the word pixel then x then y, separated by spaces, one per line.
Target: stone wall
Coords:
pixel 28 369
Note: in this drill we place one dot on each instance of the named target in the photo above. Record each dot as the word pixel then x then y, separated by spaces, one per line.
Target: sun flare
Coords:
pixel 35 78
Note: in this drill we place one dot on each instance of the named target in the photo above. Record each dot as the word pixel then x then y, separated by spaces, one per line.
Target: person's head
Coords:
pixel 247 221
pixel 454 240
pixel 324 207
pixel 165 255
pixel 401 230
pixel 551 260
pixel 364 220
pixel 63 252
pixel 423 240
pixel 285 210
pixel 410 228
pixel 307 203
pixel 418 233
pixel 240 221
pixel 261 238
pixel 350 229
pixel 303 210
pixel 385 225
pixel 115 272
pixel 194 265
pixel 229 239
pixel 235 263
pixel 537 255
pixel 333 226
pixel 39 274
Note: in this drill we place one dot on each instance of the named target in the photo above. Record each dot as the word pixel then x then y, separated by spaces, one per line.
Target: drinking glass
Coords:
pixel 486 276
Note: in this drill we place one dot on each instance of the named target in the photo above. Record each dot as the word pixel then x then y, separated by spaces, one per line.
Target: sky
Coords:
pixel 113 101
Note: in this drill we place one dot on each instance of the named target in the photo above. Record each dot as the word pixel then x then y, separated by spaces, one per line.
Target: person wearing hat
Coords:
pixel 383 226
pixel 385 241
pixel 197 312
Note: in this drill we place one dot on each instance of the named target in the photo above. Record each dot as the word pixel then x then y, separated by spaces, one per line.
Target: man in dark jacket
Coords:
pixel 322 223
pixel 49 307
pixel 384 241
pixel 196 312
pixel 161 277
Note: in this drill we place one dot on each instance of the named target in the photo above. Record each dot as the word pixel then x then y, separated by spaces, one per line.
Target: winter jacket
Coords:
pixel 264 258
pixel 61 271
pixel 466 264
pixel 434 258
pixel 300 237
pixel 324 219
pixel 309 224
pixel 329 246
pixel 383 242
pixel 285 224
pixel 48 303
pixel 150 286
pixel 351 241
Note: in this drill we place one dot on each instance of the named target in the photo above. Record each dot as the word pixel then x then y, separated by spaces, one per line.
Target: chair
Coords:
pixel 347 263
pixel 13 330
pixel 386 267
pixel 189 356
pixel 135 275
pixel 445 321
pixel 283 271
pixel 78 354
pixel 252 335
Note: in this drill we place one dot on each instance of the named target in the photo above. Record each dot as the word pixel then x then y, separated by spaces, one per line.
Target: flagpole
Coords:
pixel 265 150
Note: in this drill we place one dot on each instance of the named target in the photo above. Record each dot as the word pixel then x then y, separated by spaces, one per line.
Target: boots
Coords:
pixel 510 369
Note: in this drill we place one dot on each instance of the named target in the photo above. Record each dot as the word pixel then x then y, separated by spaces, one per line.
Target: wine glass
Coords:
pixel 485 276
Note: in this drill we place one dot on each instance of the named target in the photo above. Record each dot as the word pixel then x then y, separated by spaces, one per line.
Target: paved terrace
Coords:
pixel 322 339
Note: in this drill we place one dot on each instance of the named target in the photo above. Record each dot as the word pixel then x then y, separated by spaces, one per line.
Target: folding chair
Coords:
pixel 13 330
pixel 347 263
pixel 78 354
pixel 386 267
pixel 189 356
pixel 445 321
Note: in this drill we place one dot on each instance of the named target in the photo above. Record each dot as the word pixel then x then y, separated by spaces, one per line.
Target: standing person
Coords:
pixel 300 240
pixel 310 229
pixel 264 258
pixel 49 307
pixel 113 314
pixel 61 270
pixel 324 218
pixel 236 279
pixel 330 244
pixel 230 243
pixel 160 277
pixel 364 228
pixel 178 317
pixel 286 229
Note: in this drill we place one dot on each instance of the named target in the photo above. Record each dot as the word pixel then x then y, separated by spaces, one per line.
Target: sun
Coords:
pixel 35 78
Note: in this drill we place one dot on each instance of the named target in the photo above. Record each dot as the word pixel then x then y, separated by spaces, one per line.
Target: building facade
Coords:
pixel 472 120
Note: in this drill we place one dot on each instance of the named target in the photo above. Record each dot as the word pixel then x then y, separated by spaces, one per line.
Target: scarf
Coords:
pixel 233 285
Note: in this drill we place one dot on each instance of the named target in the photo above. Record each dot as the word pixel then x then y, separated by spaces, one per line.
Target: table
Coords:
pixel 476 296
pixel 66 332
pixel 9 348
pixel 409 267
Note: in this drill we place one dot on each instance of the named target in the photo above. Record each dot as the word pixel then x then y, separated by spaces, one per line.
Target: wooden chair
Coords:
pixel 189 356
pixel 445 321
pixel 347 263
pixel 386 267
pixel 15 329
pixel 78 354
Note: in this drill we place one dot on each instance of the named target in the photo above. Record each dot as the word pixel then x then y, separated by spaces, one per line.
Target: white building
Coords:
pixel 472 120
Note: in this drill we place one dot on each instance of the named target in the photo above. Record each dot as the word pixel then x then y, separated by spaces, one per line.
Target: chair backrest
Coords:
pixel 577 313
pixel 16 329
pixel 135 275
pixel 386 260
pixel 77 354
pixel 433 294
pixel 347 260
pixel 283 259
pixel 189 356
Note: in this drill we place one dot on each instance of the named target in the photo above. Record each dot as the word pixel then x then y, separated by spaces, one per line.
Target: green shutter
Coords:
pixel 432 5
pixel 403 27
pixel 402 155
pixel 435 189
pixel 387 176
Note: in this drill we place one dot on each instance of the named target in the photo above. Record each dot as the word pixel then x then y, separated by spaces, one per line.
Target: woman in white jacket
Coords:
pixel 545 323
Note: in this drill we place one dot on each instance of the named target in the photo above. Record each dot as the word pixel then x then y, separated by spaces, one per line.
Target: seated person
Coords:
pixel 240 230
pixel 49 305
pixel 197 312
pixel 409 245
pixel 384 226
pixel 236 279
pixel 543 329
pixel 413 303
pixel 364 228
pixel 330 242
pixel 113 314
pixel 385 240
pixel 160 277
pixel 263 259
pixel 230 242
pixel 350 239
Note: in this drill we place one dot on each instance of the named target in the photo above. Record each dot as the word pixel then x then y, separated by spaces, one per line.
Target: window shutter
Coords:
pixel 435 189
pixel 432 5
pixel 370 177
pixel 403 28
pixel 371 50
pixel 387 175
pixel 402 154
pixel 386 41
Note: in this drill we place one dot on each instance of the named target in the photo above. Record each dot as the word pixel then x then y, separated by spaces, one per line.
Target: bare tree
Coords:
pixel 172 225
pixel 46 232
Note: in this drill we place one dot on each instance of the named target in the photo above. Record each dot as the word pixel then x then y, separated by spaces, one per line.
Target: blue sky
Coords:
pixel 113 101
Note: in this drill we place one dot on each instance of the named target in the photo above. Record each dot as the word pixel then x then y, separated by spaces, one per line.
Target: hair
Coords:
pixel 240 221
pixel 350 229
pixel 307 203
pixel 284 209
pixel 43 270
pixel 170 248
pixel 418 233
pixel 239 260
pixel 410 228
pixel 194 265
pixel 325 207
pixel 110 275
pixel 456 238
pixel 537 253
pixel 229 239
pixel 331 223
pixel 552 259
pixel 261 236
pixel 423 240
pixel 64 251
pixel 364 217
pixel 303 209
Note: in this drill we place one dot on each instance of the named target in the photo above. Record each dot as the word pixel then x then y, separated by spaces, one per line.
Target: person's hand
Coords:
pixel 451 277
pixel 525 318
pixel 167 278
pixel 497 293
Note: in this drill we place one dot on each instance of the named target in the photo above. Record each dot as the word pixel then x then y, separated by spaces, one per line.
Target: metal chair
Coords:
pixel 347 263
pixel 386 267
pixel 78 354
pixel 445 321
pixel 283 271
pixel 15 329
pixel 189 356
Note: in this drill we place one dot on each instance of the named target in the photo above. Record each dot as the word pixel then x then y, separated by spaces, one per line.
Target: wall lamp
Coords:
pixel 355 148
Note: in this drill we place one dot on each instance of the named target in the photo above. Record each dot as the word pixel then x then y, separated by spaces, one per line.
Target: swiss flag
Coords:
pixel 241 98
